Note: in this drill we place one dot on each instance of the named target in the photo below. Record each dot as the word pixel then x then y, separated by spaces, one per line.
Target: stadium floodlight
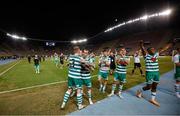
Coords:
pixel 145 17
pixel 130 21
pixel 153 15
pixel 123 23
pixel 74 41
pixel 8 34
pixel 119 25
pixel 78 41
pixel 137 19
pixel 16 36
pixel 166 12
pixel 24 38
pixel 84 40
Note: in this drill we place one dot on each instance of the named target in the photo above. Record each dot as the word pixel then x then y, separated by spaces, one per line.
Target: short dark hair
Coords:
pixel 75 48
pixel 121 48
pixel 85 49
pixel 149 48
pixel 105 50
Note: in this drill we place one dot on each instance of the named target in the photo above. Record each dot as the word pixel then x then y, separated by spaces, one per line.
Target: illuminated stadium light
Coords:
pixel 130 21
pixel 74 41
pixel 121 24
pixel 166 12
pixel 153 15
pixel 136 20
pixel 8 34
pixel 84 40
pixel 78 41
pixel 16 36
pixel 24 38
pixel 145 17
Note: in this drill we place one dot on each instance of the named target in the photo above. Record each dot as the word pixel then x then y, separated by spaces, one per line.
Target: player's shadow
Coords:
pixel 166 91
pixel 132 91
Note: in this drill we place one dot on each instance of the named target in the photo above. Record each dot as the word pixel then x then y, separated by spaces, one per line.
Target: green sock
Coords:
pixel 66 97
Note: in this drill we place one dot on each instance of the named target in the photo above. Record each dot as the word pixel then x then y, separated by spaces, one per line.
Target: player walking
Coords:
pixel 120 73
pixel 137 63
pixel 152 71
pixel 176 60
pixel 62 60
pixel 36 64
pixel 86 76
pixel 112 63
pixel 104 64
pixel 29 58
pixel 74 78
pixel 56 59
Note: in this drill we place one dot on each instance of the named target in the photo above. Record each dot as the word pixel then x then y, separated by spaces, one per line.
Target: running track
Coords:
pixel 130 105
pixel 6 61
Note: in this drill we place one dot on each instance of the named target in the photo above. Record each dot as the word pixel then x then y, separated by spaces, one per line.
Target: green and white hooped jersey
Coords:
pixel 86 74
pixel 88 59
pixel 56 57
pixel 151 62
pixel 121 69
pixel 74 66
pixel 92 60
pixel 103 67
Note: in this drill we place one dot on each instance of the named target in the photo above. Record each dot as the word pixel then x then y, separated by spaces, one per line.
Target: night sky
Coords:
pixel 71 20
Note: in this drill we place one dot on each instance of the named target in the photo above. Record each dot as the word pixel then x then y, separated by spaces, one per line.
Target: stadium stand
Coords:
pixel 156 39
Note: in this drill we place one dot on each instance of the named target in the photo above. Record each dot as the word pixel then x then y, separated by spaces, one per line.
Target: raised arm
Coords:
pixel 165 48
pixel 141 44
pixel 109 51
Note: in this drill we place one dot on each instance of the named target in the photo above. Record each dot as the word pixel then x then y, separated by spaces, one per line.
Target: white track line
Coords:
pixel 9 69
pixel 14 90
pixel 25 88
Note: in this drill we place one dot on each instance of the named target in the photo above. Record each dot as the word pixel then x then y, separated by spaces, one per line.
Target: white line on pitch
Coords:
pixel 9 69
pixel 25 88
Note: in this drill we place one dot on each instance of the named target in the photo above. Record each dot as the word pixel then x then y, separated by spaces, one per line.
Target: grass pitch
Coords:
pixel 46 99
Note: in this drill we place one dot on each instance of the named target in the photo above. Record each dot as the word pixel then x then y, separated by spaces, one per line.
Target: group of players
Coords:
pixel 58 60
pixel 37 60
pixel 80 65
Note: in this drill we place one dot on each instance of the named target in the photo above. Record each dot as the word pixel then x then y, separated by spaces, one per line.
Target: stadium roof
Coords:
pixel 66 21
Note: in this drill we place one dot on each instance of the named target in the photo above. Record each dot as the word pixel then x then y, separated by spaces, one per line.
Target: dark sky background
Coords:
pixel 71 20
